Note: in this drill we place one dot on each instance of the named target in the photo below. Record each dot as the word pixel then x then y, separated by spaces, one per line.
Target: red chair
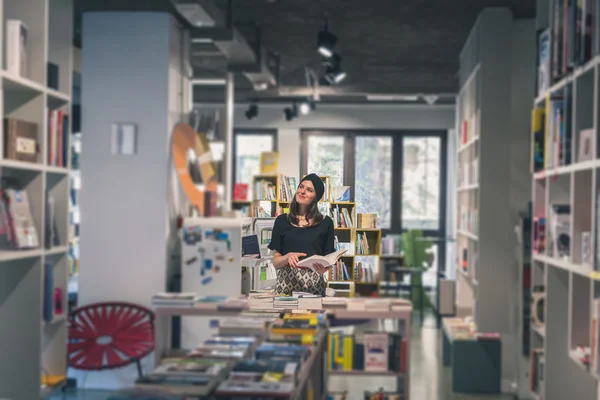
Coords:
pixel 109 335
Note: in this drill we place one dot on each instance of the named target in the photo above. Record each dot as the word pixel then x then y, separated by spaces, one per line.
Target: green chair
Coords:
pixel 415 248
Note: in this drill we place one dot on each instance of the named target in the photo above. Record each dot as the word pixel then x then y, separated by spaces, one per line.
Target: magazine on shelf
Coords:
pixel 327 260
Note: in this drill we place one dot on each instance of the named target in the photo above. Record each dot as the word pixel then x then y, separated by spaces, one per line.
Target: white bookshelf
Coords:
pixel 570 280
pixel 28 344
pixel 492 164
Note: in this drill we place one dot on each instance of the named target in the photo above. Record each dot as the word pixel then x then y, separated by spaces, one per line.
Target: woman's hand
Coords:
pixel 319 268
pixel 294 258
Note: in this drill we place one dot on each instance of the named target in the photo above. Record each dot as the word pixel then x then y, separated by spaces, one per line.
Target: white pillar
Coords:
pixel 131 73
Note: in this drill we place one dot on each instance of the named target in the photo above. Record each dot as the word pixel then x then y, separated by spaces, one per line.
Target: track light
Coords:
pixel 333 70
pixel 290 112
pixel 306 106
pixel 252 111
pixel 326 41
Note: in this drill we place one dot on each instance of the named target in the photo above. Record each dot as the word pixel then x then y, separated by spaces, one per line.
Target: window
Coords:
pixel 247 149
pixel 326 157
pixel 395 174
pixel 373 177
pixel 421 182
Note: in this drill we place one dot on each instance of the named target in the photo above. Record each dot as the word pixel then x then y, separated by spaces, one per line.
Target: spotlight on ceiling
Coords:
pixel 333 70
pixel 326 41
pixel 306 106
pixel 290 112
pixel 252 111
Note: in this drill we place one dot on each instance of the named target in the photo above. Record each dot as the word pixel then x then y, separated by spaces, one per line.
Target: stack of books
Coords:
pixel 221 303
pixel 285 303
pixel 167 300
pixel 260 301
pixel 308 301
pixel 335 302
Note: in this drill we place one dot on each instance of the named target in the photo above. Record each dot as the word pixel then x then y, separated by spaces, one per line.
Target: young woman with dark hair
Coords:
pixel 304 232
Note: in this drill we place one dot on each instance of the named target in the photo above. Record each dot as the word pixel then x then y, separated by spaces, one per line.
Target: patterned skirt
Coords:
pixel 299 280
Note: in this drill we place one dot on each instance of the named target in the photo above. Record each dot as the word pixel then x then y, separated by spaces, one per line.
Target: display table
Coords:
pixel 475 360
pixel 313 376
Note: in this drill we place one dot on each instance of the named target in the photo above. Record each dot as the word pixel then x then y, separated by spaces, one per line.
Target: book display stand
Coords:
pixel 312 380
pixel 35 85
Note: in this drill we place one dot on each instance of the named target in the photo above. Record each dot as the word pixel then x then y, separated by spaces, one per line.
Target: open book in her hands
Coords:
pixel 327 261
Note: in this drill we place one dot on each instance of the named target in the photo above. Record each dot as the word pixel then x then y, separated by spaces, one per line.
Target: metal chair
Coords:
pixel 109 335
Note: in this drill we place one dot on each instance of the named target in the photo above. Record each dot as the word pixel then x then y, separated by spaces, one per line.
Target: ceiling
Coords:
pixel 387 46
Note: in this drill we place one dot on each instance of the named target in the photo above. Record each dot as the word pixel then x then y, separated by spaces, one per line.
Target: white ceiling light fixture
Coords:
pixel 194 13
pixel 261 86
pixel 430 99
pixel 392 97
pixel 208 82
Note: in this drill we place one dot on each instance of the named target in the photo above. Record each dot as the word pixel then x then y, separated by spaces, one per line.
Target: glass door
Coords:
pixel 423 200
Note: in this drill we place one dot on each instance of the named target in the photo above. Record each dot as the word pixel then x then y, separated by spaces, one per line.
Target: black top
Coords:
pixel 312 240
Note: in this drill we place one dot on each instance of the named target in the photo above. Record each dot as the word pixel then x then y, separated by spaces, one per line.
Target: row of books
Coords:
pixel 236 364
pixel 266 300
pixel 341 217
pixel 571 40
pixel 371 351
pixel 287 188
pixel 58 142
pixel 552 134
pixel 264 190
pixel 362 244
pixel 17 226
pixel 21 142
pixel 363 272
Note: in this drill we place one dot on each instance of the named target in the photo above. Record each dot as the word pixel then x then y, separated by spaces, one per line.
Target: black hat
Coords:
pixel 317 183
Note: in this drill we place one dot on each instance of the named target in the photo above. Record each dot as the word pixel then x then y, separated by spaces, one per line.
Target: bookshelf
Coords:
pixel 273 194
pixel 564 185
pixel 36 96
pixel 492 184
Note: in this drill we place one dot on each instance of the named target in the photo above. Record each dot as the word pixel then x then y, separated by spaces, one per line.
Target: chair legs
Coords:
pixel 138 364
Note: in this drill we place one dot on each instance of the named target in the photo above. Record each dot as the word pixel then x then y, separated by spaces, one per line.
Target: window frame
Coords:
pixel 397 164
pixel 248 132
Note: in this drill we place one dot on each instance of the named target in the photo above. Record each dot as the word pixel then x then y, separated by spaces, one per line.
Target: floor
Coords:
pixel 429 381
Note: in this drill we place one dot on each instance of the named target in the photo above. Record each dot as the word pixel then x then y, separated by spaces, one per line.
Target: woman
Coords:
pixel 303 232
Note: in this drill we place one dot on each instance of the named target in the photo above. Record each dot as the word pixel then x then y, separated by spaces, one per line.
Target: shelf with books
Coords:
pixel 33 258
pixel 368 355
pixel 265 195
pixel 565 183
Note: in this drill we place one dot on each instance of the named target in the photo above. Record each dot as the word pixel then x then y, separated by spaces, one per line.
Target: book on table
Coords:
pixel 327 261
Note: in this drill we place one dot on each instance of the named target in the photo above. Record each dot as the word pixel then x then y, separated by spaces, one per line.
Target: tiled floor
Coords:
pixel 429 380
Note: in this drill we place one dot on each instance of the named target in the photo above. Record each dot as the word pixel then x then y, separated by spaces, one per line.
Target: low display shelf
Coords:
pixel 234 313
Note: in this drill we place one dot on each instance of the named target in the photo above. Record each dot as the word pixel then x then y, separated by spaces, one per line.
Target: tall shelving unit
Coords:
pixel 492 184
pixel 565 184
pixel 28 344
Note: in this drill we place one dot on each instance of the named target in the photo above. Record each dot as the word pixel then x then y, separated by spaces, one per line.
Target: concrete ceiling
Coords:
pixel 387 46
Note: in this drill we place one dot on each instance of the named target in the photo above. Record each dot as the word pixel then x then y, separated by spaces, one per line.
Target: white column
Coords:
pixel 131 72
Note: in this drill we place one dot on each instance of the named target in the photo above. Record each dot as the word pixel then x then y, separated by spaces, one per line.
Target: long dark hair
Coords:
pixel 312 214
